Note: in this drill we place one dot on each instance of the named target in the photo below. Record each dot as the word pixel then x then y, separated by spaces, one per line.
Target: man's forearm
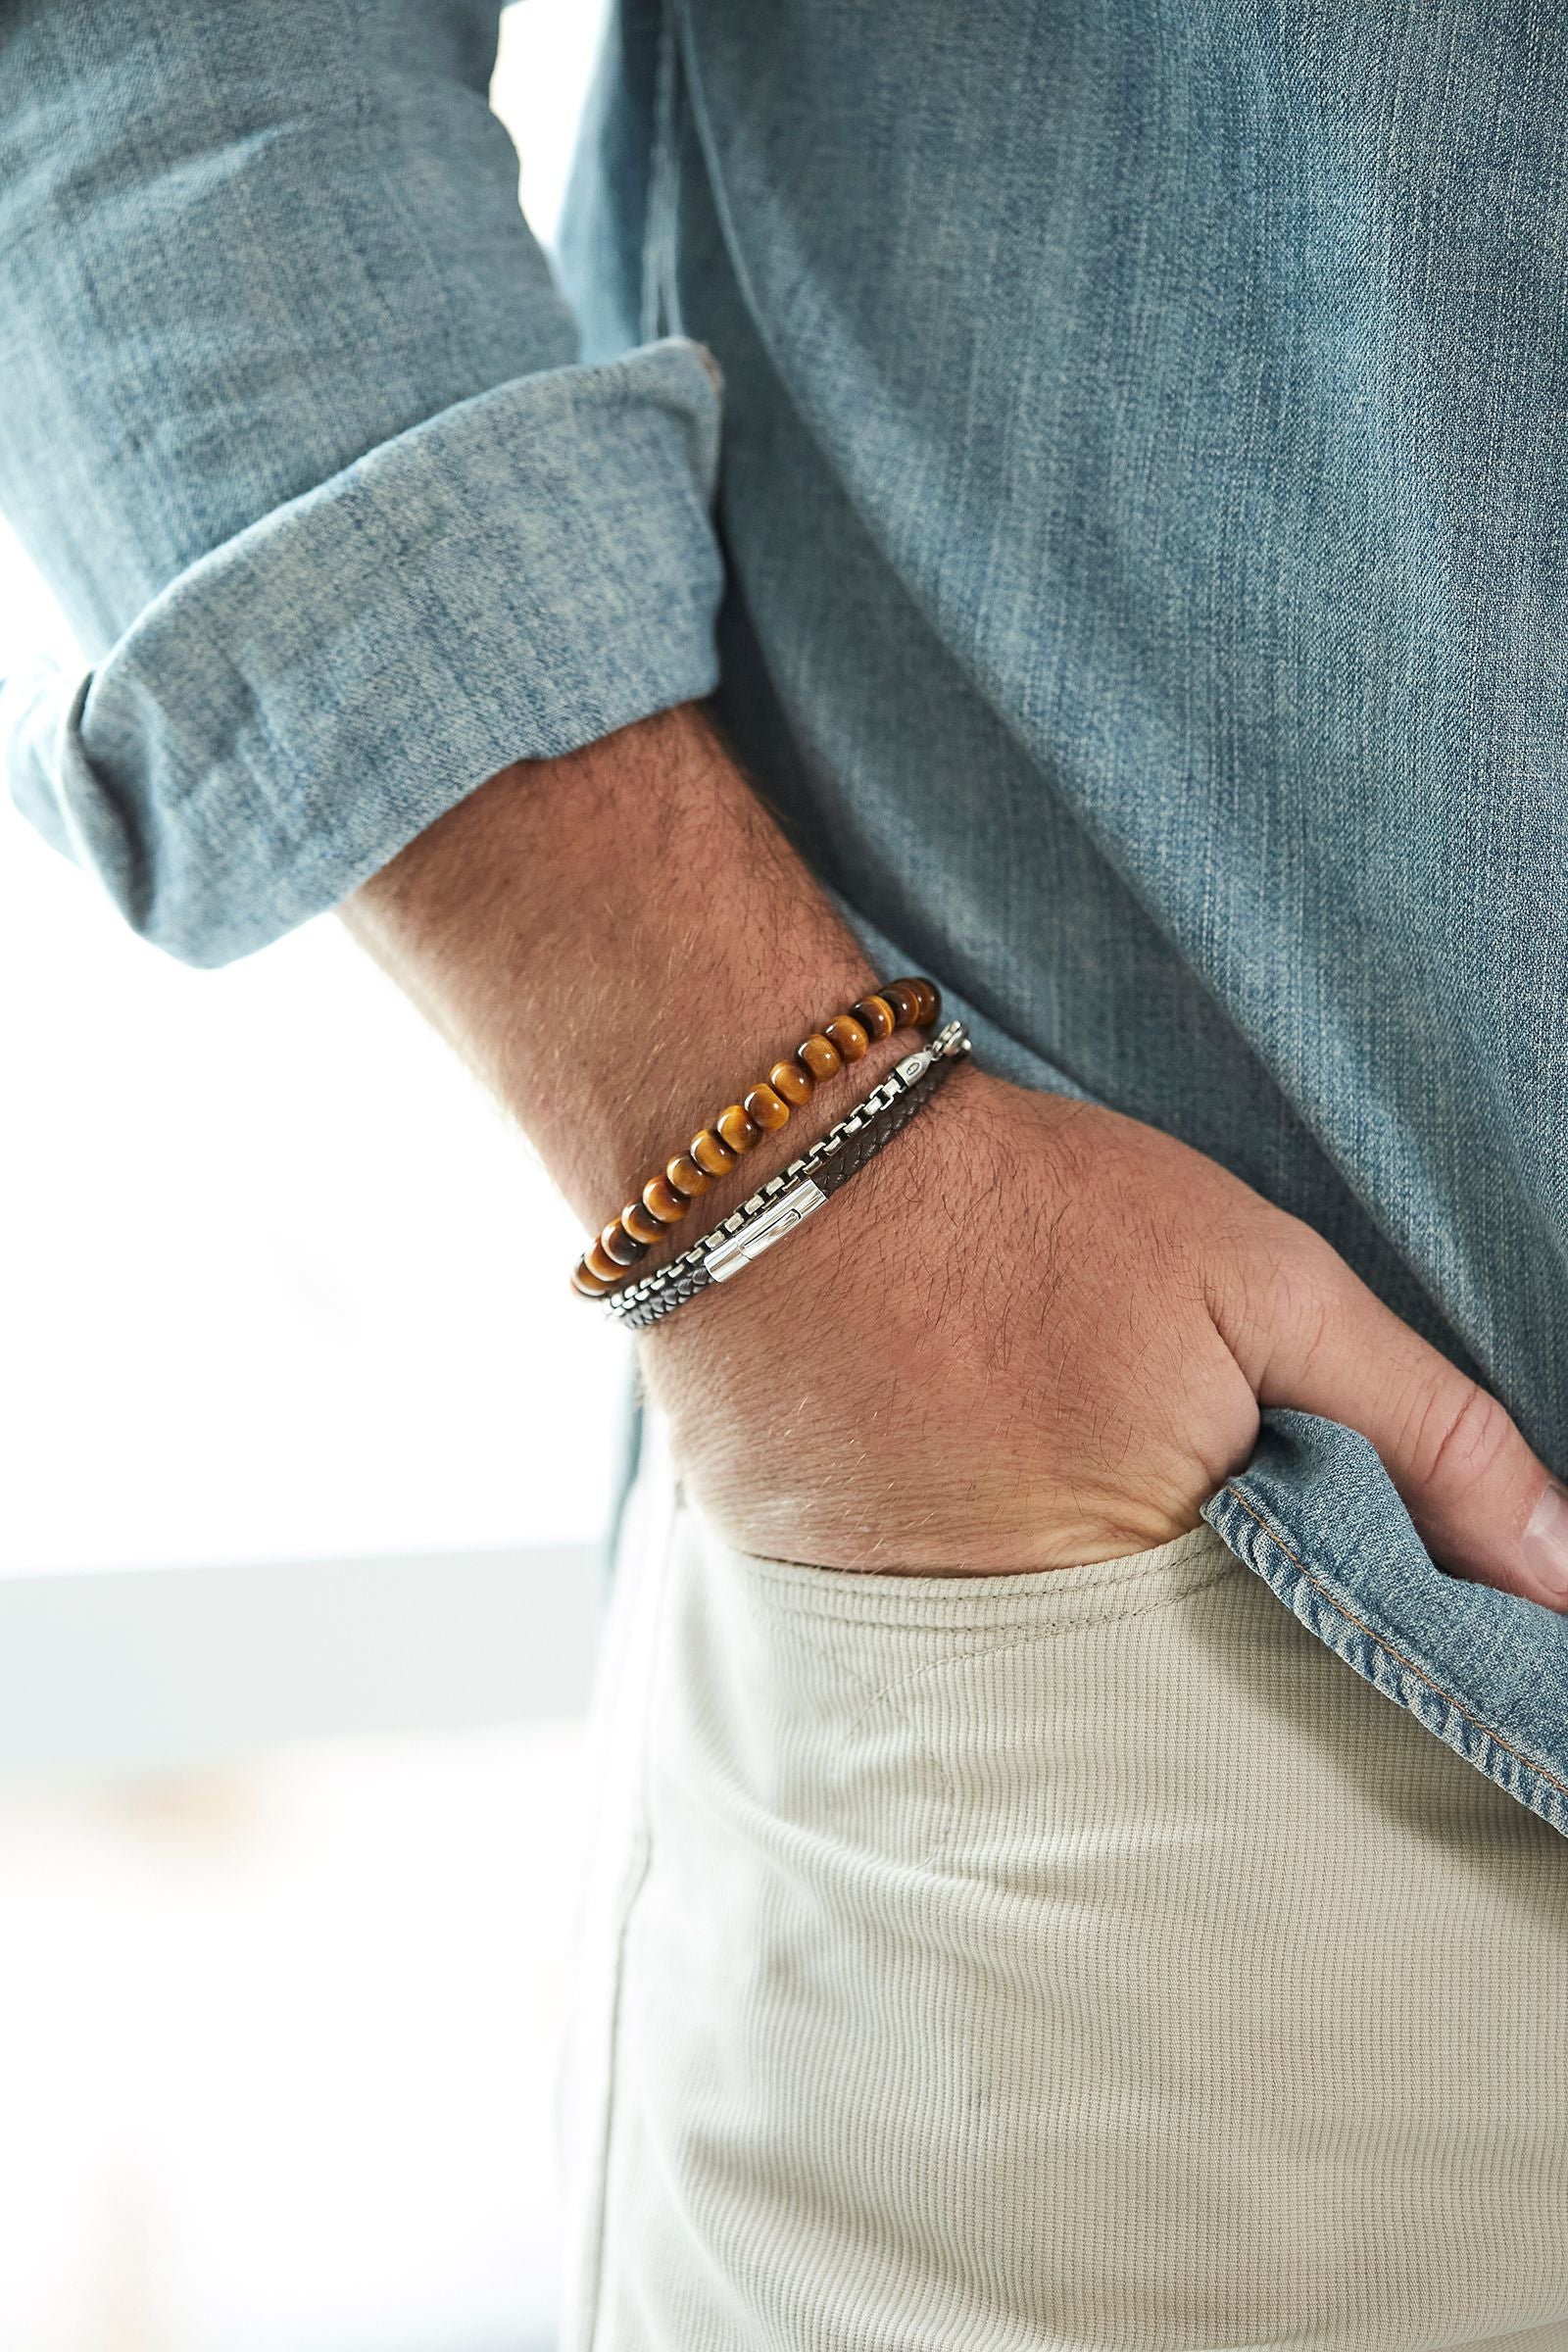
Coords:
pixel 619 942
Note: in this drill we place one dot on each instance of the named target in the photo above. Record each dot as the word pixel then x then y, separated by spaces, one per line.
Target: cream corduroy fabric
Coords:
pixel 1078 1960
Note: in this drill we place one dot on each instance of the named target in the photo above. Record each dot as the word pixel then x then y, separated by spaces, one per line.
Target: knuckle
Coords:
pixel 1461 1434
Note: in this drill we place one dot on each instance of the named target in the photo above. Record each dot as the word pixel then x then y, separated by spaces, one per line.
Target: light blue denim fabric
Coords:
pixel 290 417
pixel 1316 1518
pixel 1146 588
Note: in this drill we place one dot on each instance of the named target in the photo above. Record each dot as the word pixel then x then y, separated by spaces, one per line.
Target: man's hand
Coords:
pixel 1035 1333
pixel 1030 1333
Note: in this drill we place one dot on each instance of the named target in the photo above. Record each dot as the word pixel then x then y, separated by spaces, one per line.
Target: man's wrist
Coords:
pixel 773 1151
pixel 902 1214
pixel 621 942
pixel 737 1232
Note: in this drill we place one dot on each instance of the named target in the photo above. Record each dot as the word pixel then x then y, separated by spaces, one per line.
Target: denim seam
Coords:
pixel 1531 1763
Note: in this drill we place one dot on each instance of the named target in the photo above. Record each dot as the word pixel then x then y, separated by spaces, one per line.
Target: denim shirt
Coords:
pixel 1136 568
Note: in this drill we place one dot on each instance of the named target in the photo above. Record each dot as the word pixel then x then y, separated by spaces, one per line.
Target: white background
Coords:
pixel 278 2039
pixel 277 1281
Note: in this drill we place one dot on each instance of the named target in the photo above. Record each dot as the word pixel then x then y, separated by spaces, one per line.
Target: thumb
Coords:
pixel 1486 1506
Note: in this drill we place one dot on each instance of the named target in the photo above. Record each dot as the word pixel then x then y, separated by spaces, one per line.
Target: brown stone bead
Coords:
pixel 712 1154
pixel 636 1221
pixel 686 1176
pixel 598 1261
pixel 848 1036
pixel 767 1109
pixel 737 1130
pixel 587 1282
pixel 661 1201
pixel 796 1086
pixel 875 1016
pixel 820 1056
pixel 618 1243
pixel 905 1003
pixel 929 1009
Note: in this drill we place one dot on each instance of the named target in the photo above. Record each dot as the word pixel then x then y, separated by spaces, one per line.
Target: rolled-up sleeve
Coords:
pixel 291 418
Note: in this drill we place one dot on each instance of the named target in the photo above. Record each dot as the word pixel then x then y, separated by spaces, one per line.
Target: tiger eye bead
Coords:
pixel 661 1201
pixel 820 1056
pixel 712 1154
pixel 875 1016
pixel 913 1002
pixel 796 1086
pixel 618 1243
pixel 636 1221
pixel 686 1176
pixel 767 1109
pixel 598 1261
pixel 847 1035
pixel 737 1130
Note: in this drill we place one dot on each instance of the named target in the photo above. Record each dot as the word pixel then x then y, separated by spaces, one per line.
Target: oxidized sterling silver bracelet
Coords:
pixel 795 1192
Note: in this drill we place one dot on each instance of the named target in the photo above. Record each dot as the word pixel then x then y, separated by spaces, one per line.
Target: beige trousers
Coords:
pixel 1070 1960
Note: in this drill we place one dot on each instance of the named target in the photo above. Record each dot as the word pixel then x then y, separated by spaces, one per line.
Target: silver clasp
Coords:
pixel 769 1225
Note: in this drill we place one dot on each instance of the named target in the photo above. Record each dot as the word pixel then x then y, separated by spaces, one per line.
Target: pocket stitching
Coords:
pixel 1023 1625
pixel 895 1694
pixel 855 1583
pixel 876 1696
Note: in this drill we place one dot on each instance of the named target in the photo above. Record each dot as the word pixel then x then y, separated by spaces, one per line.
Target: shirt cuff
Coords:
pixel 515 577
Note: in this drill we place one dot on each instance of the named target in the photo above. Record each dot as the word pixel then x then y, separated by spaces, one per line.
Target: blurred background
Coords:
pixel 307 1472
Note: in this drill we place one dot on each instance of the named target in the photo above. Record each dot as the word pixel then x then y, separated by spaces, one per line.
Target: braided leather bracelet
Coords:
pixel 790 1197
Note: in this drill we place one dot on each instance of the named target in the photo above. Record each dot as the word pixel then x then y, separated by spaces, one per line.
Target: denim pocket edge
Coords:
pixel 1315 1515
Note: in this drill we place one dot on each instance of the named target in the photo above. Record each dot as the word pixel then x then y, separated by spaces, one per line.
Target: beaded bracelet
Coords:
pixel 795 1192
pixel 714 1151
